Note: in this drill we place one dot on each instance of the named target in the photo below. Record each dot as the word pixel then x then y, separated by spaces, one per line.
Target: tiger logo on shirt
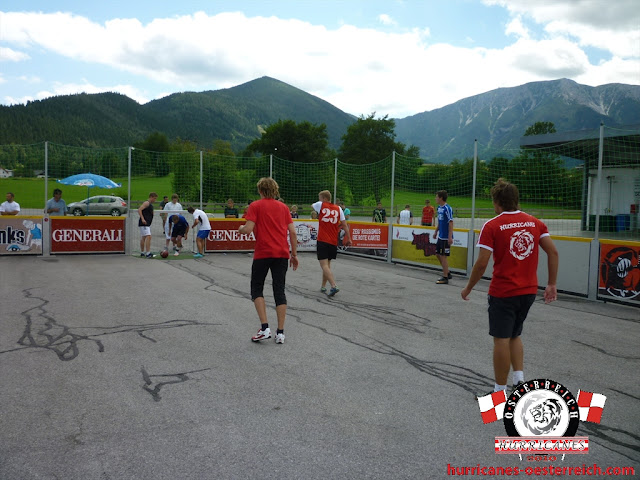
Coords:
pixel 521 244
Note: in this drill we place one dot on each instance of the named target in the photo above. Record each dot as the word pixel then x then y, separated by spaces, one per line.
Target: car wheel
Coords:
pixel 115 212
pixel 77 212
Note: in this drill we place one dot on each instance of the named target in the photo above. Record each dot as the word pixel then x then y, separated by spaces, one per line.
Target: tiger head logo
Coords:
pixel 543 417
pixel 521 244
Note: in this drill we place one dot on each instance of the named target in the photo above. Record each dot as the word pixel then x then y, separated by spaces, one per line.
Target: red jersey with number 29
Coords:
pixel 329 218
pixel 513 237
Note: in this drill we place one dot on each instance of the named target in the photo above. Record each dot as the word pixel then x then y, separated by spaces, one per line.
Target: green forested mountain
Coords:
pixel 101 120
pixel 236 114
pixel 498 118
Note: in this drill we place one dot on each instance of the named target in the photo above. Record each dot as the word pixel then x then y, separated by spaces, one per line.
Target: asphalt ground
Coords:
pixel 116 367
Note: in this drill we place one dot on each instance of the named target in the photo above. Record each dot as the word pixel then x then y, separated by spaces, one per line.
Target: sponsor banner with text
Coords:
pixel 20 235
pixel 87 234
pixel 416 244
pixel 368 238
pixel 224 236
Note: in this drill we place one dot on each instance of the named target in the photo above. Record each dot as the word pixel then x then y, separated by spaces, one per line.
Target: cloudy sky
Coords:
pixel 395 57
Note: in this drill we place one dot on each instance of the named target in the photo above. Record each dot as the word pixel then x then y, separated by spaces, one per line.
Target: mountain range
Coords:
pixel 497 119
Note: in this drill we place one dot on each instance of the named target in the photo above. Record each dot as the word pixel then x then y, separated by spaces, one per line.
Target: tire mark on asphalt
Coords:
pixel 605 434
pixel 153 388
pixel 626 357
pixel 475 382
pixel 463 377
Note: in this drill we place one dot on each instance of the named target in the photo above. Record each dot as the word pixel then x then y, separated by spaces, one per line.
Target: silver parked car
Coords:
pixel 99 205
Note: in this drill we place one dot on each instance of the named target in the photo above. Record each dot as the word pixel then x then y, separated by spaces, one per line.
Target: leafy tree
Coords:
pixel 302 142
pixel 540 128
pixel 369 140
pixel 150 158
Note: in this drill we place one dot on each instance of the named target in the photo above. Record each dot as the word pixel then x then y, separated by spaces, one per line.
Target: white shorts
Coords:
pixel 145 231
pixel 167 233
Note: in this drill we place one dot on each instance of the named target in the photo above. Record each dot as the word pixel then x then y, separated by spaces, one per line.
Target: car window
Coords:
pixel 94 200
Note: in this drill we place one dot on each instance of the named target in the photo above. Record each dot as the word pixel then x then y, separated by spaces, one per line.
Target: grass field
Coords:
pixel 29 193
pixel 416 200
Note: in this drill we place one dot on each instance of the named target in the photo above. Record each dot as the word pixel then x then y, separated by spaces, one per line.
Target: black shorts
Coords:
pixel 326 251
pixel 259 269
pixel 506 315
pixel 426 224
pixel 442 247
pixel 178 232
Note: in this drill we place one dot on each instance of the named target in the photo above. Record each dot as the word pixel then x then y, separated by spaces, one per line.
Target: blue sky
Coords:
pixel 394 57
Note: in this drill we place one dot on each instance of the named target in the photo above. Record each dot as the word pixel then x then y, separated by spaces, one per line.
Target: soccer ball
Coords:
pixel 164 254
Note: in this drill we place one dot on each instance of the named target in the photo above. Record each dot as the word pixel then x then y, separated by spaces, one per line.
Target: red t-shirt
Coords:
pixel 329 219
pixel 427 214
pixel 513 237
pixel 272 219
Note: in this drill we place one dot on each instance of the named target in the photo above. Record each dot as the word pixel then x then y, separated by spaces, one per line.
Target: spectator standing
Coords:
pixel 427 213
pixel 145 212
pixel 56 206
pixel 379 214
pixel 346 211
pixel 405 217
pixel 10 206
pixel 330 220
pixel 294 211
pixel 444 234
pixel 513 238
pixel 230 211
pixel 163 216
pixel 270 220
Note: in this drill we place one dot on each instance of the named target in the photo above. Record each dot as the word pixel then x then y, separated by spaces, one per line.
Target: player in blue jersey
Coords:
pixel 444 234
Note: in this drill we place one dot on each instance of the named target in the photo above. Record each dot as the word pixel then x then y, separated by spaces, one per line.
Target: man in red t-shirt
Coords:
pixel 270 221
pixel 330 220
pixel 513 237
pixel 427 214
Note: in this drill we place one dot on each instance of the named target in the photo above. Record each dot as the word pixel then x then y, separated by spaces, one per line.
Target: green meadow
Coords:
pixel 29 192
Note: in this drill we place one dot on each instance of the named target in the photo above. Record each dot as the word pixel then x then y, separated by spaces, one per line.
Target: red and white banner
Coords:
pixel 542 445
pixel 369 235
pixel 224 236
pixel 366 237
pixel 87 235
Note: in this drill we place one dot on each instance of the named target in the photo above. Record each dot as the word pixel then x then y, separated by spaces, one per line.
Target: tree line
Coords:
pixel 541 177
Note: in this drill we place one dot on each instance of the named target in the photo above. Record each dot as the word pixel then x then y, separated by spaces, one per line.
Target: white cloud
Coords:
pixel 612 27
pixel 9 100
pixel 9 55
pixel 517 28
pixel 31 79
pixel 386 20
pixel 85 87
pixel 359 70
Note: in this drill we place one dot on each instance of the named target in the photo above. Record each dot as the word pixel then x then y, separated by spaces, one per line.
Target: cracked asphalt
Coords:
pixel 115 367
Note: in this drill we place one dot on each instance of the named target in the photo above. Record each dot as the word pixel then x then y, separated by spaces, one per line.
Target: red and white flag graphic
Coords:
pixel 492 406
pixel 590 406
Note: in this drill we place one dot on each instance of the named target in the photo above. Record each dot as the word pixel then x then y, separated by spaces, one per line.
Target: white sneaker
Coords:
pixel 176 253
pixel 262 335
pixel 280 338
